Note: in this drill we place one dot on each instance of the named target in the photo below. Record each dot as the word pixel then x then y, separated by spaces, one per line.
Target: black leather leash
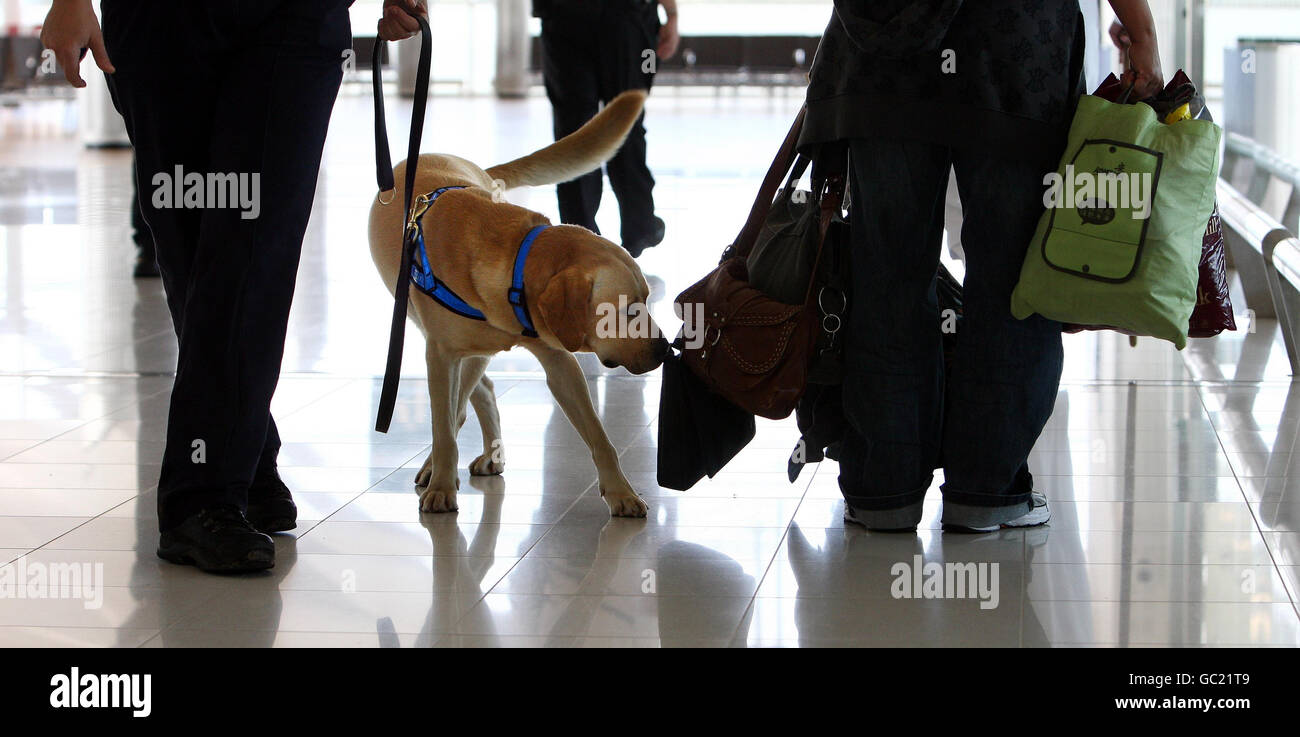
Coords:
pixel 384 176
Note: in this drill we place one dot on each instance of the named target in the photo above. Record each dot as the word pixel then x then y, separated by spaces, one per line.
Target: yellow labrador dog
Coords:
pixel 485 252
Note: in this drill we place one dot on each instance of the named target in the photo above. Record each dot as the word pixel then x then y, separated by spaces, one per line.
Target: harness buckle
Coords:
pixel 418 208
pixel 515 295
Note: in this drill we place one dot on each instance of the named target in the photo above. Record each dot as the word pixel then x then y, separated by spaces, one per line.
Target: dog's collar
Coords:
pixel 423 278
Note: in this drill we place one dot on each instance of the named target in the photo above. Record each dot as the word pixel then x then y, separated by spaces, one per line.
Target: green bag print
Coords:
pixel 1120 241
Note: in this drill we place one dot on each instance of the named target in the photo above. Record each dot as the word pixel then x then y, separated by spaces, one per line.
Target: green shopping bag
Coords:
pixel 1120 241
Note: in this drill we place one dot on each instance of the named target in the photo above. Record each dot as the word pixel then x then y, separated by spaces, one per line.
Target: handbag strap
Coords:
pixel 775 175
pixel 797 171
pixel 831 172
pixel 384 176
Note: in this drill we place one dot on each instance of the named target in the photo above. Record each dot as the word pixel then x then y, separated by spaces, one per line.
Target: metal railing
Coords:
pixel 1265 253
pixel 1256 168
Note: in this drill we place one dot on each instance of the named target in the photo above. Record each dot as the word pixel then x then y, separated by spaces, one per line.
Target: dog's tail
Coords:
pixel 579 152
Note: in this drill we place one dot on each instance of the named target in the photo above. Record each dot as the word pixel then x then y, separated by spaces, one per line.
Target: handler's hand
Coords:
pixel 70 27
pixel 669 38
pixel 399 19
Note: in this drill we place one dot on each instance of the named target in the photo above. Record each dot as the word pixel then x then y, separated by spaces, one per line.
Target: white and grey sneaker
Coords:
pixel 1036 517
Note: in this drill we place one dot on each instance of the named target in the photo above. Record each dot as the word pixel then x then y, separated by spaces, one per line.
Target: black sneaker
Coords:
pixel 218 540
pixel 654 238
pixel 270 505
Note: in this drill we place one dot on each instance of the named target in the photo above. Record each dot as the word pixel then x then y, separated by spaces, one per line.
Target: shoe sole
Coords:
pixel 986 530
pixel 256 561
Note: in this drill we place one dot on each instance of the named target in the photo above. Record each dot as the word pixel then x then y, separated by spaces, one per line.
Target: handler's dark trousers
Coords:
pixel 903 421
pixel 592 51
pixel 225 88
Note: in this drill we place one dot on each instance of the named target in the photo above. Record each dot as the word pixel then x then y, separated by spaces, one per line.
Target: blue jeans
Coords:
pixel 906 417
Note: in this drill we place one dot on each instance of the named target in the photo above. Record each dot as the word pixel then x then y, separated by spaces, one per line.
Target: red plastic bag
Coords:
pixel 1213 312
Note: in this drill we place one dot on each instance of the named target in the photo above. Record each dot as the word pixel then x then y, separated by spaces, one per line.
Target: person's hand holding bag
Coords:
pixel 1134 33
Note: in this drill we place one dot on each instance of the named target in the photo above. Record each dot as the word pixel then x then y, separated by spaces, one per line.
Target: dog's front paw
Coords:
pixel 624 502
pixel 438 500
pixel 425 473
pixel 486 465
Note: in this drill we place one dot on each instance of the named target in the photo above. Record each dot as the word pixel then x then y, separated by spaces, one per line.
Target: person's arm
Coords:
pixel 398 21
pixel 71 26
pixel 669 38
pixel 1135 35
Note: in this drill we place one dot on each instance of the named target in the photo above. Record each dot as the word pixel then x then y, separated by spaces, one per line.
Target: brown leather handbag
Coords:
pixel 747 346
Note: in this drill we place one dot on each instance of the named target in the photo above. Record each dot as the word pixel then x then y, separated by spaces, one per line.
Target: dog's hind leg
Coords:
pixel 471 370
pixel 438 476
pixel 483 396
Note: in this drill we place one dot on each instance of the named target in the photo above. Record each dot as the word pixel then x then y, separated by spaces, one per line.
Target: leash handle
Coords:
pixel 384 176
pixel 383 161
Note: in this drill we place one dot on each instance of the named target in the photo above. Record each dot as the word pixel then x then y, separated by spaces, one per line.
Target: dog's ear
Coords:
pixel 565 307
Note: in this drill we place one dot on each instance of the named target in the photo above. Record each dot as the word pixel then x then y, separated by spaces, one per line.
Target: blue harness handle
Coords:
pixel 426 281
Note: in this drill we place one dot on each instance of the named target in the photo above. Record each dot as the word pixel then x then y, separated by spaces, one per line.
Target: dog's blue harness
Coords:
pixel 423 278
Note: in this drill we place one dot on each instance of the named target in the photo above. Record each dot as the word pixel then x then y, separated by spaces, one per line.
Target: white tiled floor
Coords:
pixel 1176 521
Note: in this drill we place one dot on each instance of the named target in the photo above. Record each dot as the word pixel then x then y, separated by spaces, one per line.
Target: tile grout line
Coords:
pixel 1295 606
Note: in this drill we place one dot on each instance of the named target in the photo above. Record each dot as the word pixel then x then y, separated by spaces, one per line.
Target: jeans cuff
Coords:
pixel 1017 494
pixel 888 519
pixel 871 504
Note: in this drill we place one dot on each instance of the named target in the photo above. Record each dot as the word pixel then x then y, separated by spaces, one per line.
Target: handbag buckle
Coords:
pixel 821 303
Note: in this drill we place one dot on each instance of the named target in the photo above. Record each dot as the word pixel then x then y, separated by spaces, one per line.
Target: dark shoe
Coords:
pixel 654 238
pixel 270 505
pixel 218 540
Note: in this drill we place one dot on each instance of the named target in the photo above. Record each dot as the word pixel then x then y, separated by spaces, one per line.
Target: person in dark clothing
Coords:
pixel 591 51
pixel 236 95
pixel 146 260
pixel 987 89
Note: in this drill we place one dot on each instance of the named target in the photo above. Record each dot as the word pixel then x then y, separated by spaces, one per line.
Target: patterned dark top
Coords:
pixel 973 73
